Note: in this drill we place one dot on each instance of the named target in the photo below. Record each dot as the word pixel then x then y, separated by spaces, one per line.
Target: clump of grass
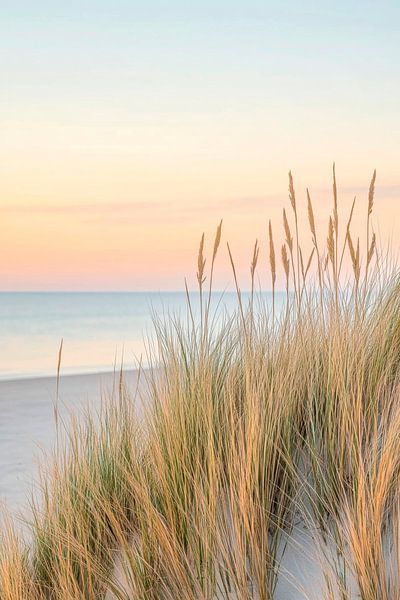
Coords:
pixel 250 422
pixel 16 577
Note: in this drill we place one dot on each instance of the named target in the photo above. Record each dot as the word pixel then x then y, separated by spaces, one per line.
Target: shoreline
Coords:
pixel 87 373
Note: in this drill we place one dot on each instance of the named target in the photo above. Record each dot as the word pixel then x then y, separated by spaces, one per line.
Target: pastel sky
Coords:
pixel 129 128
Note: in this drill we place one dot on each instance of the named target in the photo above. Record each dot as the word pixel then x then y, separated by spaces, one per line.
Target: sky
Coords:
pixel 127 129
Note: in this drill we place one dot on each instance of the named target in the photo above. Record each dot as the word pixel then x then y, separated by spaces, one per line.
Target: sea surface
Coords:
pixel 97 329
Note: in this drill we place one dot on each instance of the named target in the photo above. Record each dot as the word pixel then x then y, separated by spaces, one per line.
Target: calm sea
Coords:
pixel 96 328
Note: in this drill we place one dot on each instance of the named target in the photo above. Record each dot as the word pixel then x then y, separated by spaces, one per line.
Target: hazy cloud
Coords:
pixel 87 208
pixel 118 211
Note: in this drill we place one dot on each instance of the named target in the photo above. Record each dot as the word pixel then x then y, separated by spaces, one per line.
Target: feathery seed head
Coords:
pixel 311 219
pixel 371 193
pixel 289 238
pixel 292 195
pixel 201 262
pixel 285 261
pixel 371 249
pixel 217 239
pixel 254 259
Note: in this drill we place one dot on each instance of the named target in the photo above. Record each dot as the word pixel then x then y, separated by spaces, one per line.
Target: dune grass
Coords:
pixel 251 424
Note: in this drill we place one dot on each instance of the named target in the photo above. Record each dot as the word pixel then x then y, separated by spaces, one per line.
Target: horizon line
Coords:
pixel 102 291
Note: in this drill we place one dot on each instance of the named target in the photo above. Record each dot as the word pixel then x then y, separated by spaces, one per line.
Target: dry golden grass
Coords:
pixel 251 423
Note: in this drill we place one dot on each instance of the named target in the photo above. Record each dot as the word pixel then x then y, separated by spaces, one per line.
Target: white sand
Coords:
pixel 27 428
pixel 301 575
pixel 27 424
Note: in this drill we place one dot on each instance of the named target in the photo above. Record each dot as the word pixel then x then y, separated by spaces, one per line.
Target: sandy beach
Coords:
pixel 28 430
pixel 27 424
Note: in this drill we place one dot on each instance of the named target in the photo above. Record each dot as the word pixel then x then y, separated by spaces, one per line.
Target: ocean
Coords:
pixel 97 329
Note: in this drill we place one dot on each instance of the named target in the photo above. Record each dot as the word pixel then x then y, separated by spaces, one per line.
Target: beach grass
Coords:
pixel 251 424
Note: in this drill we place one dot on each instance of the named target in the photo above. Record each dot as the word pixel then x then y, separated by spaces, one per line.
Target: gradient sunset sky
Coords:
pixel 129 128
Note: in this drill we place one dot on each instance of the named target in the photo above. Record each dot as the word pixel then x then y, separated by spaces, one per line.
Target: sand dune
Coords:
pixel 27 424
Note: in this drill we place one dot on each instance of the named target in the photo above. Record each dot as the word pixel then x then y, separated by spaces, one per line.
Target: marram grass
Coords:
pixel 272 417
